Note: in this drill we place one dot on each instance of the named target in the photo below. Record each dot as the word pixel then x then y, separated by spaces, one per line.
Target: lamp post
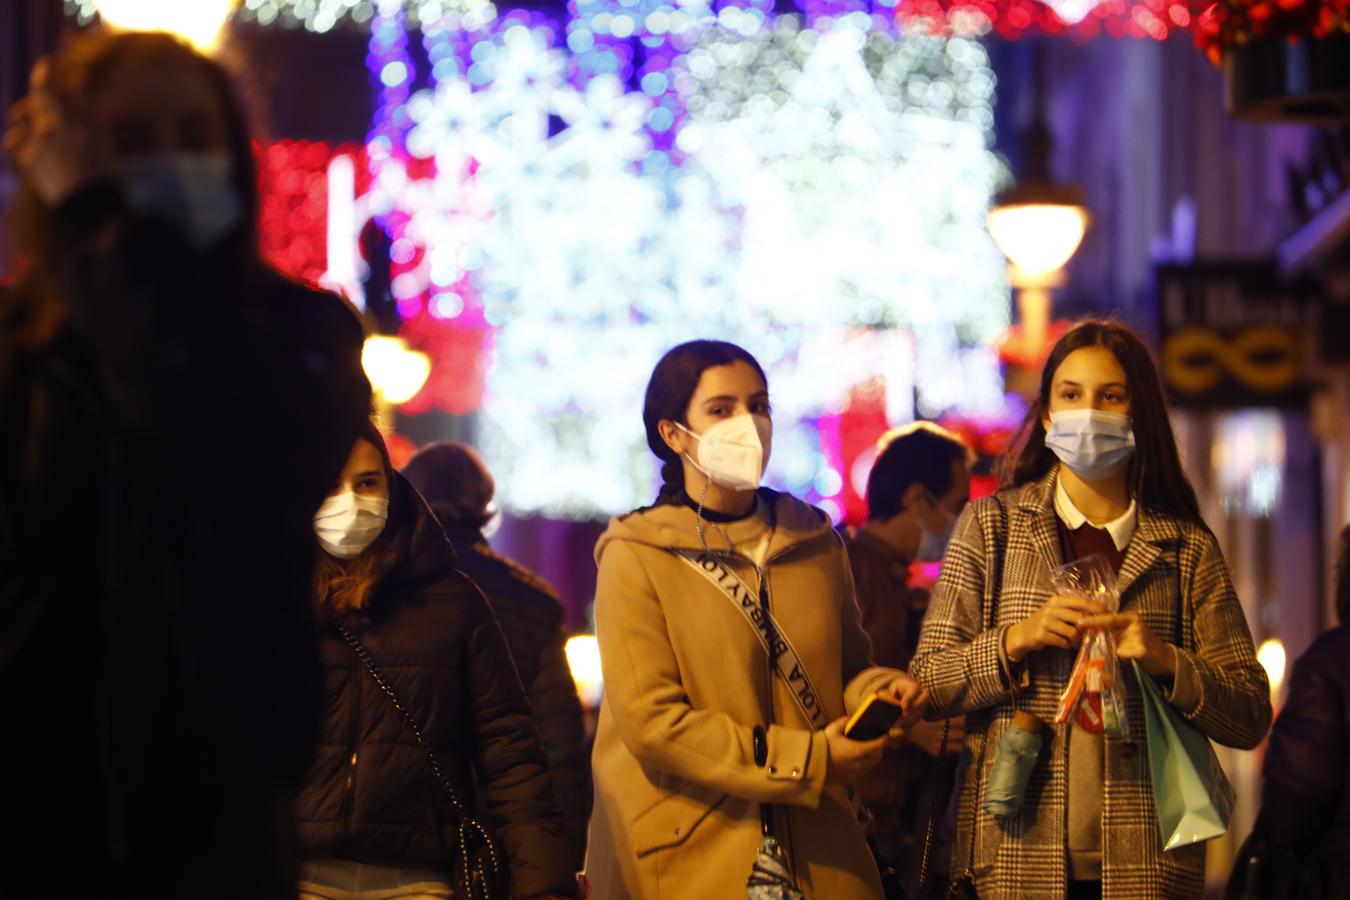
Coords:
pixel 396 374
pixel 1038 224
pixel 199 22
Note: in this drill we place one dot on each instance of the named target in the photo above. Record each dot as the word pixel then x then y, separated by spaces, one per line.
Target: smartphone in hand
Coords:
pixel 873 719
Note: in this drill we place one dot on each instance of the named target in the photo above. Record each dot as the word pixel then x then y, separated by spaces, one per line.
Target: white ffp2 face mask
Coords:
pixel 734 451
pixel 1093 443
pixel 190 190
pixel 348 523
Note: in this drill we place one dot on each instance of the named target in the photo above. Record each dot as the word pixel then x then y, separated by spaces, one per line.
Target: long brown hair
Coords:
pixel 346 585
pixel 1156 478
pixel 34 311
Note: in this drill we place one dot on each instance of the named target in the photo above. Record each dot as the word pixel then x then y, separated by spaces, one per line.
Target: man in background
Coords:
pixel 459 489
pixel 918 486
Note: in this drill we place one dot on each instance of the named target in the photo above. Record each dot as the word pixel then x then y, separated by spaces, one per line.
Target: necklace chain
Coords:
pixel 698 526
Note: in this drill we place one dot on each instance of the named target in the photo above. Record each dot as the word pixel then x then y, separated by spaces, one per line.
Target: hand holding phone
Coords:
pixel 874 719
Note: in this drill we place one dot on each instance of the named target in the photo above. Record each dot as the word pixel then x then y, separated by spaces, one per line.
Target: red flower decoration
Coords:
pixel 1227 24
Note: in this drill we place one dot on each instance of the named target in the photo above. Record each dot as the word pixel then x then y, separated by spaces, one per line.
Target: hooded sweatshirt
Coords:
pixel 678 791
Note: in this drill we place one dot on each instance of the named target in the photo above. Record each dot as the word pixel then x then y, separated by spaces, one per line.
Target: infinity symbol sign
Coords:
pixel 1263 358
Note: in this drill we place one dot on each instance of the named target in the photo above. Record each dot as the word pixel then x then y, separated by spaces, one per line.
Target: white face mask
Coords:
pixel 1093 443
pixel 348 523
pixel 734 451
pixel 191 190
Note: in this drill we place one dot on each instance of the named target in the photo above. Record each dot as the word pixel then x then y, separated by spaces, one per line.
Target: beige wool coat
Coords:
pixel 677 790
pixel 996 573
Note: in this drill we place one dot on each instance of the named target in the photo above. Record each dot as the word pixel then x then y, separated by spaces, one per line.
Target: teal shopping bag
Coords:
pixel 1193 797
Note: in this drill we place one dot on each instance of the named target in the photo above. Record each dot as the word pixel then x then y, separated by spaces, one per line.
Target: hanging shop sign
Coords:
pixel 1236 335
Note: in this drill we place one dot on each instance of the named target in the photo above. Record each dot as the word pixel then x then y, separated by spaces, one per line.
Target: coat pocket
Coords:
pixel 671 820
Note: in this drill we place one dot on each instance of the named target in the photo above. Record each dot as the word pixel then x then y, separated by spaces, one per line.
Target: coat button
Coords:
pixel 773 770
pixel 678 831
pixel 796 773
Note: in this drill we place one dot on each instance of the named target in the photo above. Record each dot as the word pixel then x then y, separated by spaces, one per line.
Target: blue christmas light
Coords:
pixel 812 186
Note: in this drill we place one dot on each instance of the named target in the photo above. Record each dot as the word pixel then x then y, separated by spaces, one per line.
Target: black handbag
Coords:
pixel 962 887
pixel 962 884
pixel 477 868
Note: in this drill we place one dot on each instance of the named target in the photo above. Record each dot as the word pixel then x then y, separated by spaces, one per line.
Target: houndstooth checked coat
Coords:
pixel 1174 576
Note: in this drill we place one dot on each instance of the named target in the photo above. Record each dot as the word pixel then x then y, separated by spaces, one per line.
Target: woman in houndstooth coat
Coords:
pixel 1095 469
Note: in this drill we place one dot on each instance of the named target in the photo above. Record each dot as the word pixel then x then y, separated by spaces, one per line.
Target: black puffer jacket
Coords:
pixel 1300 846
pixel 531 618
pixel 1306 798
pixel 161 459
pixel 370 795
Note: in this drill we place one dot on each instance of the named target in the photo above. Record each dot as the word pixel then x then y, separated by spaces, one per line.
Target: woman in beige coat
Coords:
pixel 696 736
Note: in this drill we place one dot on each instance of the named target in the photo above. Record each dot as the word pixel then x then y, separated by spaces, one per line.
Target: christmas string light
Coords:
pixel 1155 19
pixel 593 246
pixel 565 200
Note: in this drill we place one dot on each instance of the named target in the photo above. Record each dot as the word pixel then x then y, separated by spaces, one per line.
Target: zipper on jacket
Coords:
pixel 762 572
pixel 349 802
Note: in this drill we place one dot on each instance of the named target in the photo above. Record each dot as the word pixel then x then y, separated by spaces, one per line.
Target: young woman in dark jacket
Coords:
pixel 371 817
pixel 459 489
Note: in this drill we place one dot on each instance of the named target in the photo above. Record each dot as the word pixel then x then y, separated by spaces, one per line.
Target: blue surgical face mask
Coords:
pixel 933 544
pixel 1093 443
pixel 192 191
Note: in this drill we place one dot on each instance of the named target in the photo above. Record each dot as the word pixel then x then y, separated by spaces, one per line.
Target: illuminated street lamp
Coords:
pixel 199 22
pixel 396 373
pixel 1271 656
pixel 583 659
pixel 1038 232
pixel 1038 224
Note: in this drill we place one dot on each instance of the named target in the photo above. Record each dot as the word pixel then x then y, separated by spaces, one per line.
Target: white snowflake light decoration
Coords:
pixel 324 15
pixel 820 200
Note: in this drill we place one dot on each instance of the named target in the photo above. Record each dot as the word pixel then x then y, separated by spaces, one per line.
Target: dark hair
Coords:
pixel 669 391
pixel 1156 478
pixel 344 585
pixel 919 453
pixel 1343 576
pixel 76 70
pixel 451 477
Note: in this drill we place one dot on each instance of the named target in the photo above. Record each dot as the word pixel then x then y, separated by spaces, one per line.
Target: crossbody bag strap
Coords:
pixel 378 676
pixel 786 662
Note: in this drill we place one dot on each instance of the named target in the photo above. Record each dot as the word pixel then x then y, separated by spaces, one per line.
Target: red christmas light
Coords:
pixel 293 233
pixel 459 349
pixel 849 440
pixel 293 214
pixel 1013 19
pixel 1227 24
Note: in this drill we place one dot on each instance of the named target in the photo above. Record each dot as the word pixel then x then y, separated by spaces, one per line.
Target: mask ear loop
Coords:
pixel 937 504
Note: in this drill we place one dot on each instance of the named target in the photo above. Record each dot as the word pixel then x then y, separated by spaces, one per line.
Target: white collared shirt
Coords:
pixel 1121 529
